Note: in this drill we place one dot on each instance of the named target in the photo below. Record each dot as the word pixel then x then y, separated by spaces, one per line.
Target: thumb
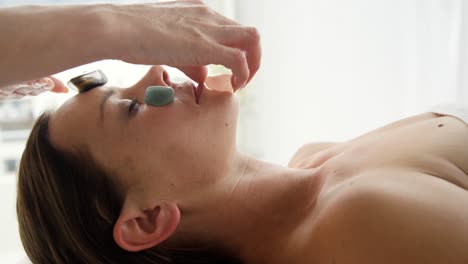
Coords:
pixel 220 83
pixel 59 87
pixel 196 73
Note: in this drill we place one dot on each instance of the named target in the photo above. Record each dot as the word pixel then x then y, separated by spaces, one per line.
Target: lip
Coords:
pixel 197 92
pixel 194 90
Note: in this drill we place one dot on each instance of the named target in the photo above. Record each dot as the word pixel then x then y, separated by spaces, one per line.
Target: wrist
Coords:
pixel 78 34
pixel 105 31
pixel 48 39
pixel 90 33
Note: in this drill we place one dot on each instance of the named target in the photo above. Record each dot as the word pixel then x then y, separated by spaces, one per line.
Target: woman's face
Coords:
pixel 178 147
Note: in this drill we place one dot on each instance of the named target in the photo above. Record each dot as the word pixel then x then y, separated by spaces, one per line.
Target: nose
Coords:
pixel 156 75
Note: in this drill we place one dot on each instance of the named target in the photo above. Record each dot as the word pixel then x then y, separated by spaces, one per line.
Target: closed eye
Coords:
pixel 133 108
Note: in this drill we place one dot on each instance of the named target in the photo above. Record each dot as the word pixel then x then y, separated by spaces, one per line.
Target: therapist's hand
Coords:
pixel 34 87
pixel 183 34
pixel 44 40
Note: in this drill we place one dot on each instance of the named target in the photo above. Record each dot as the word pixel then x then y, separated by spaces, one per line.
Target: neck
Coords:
pixel 252 210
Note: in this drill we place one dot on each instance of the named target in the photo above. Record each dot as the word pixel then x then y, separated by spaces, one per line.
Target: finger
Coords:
pixel 196 73
pixel 44 84
pixel 254 54
pixel 196 2
pixel 213 53
pixel 225 20
pixel 211 17
pixel 6 94
pixel 180 2
pixel 59 86
pixel 190 4
pixel 8 89
pixel 23 90
pixel 233 59
pixel 221 83
pixel 33 91
pixel 30 88
pixel 36 92
pixel 11 96
pixel 244 38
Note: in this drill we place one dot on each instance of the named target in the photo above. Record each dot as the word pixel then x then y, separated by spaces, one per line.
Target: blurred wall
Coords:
pixel 333 69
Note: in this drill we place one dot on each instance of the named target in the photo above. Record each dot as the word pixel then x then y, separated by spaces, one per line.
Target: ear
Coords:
pixel 137 230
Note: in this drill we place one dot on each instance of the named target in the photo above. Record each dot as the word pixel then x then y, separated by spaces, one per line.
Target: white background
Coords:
pixel 331 70
pixel 334 69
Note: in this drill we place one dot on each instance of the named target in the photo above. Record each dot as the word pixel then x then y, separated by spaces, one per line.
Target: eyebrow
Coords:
pixel 103 100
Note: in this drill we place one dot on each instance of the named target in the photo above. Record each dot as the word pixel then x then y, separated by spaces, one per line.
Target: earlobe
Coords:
pixel 137 230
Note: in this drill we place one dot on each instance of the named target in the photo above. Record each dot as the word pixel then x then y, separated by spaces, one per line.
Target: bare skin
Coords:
pixel 41 40
pixel 395 195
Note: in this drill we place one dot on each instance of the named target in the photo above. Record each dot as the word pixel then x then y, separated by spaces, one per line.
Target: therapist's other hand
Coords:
pixel 32 88
pixel 183 34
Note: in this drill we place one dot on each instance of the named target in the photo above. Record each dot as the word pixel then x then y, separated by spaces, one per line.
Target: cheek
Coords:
pixel 165 127
pixel 219 120
pixel 215 138
pixel 185 133
pixel 163 134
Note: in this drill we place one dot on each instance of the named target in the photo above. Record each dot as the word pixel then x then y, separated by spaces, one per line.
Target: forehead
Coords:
pixel 76 121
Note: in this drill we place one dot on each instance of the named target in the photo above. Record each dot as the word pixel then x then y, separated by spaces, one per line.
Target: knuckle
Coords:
pixel 198 33
pixel 191 2
pixel 196 60
pixel 206 10
pixel 253 33
pixel 200 9
pixel 238 57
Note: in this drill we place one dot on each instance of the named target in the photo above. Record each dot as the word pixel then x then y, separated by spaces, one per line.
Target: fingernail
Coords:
pixel 44 85
pixel 235 82
pixel 23 90
pixel 36 92
pixel 38 84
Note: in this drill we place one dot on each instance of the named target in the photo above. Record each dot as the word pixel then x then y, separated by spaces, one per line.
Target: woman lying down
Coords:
pixel 108 178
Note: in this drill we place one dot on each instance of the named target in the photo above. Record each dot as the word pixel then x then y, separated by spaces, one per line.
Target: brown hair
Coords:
pixel 67 206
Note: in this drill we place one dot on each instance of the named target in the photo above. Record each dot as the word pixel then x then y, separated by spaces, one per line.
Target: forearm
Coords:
pixel 37 41
pixel 42 40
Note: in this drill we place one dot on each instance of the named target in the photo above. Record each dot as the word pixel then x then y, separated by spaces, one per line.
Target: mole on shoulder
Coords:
pixel 440 125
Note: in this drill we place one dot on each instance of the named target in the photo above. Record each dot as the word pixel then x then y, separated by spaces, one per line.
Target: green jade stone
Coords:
pixel 159 95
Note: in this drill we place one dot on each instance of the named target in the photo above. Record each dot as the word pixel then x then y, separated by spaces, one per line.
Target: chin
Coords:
pixel 220 116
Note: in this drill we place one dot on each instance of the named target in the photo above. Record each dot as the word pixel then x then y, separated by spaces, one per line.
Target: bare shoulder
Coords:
pixel 303 157
pixel 397 217
pixel 305 153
